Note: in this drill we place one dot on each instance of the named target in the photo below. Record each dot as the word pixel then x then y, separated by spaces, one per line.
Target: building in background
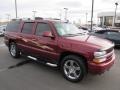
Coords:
pixel 107 19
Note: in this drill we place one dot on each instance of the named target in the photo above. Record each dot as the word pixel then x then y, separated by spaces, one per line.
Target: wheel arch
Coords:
pixel 10 40
pixel 72 53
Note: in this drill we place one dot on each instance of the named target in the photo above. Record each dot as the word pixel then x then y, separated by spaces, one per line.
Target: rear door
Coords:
pixel 26 36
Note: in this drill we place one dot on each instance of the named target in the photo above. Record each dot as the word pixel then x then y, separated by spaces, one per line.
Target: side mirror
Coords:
pixel 47 34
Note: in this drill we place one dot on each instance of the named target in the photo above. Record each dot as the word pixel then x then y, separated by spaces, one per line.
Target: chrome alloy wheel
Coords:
pixel 13 50
pixel 72 69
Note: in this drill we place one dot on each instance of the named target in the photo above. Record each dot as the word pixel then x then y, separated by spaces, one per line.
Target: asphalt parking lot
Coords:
pixel 21 75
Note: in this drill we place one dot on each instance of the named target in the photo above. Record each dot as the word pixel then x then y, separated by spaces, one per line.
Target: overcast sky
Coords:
pixel 77 9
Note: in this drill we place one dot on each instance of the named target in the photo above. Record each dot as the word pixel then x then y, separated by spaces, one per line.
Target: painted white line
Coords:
pixel 4 69
pixel 2 45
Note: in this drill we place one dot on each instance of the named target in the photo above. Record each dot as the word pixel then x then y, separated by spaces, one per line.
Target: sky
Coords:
pixel 77 9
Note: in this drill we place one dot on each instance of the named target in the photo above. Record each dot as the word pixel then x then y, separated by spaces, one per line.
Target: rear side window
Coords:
pixel 27 28
pixel 42 27
pixel 13 26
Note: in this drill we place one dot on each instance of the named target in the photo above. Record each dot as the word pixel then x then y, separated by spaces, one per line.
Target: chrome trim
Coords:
pixel 33 58
pixel 52 65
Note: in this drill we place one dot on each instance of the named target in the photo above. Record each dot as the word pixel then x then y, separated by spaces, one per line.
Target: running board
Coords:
pixel 52 65
pixel 33 58
pixel 49 64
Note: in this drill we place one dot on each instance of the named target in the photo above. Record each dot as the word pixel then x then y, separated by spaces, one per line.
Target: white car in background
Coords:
pixel 97 28
pixel 84 31
pixel 1 33
pixel 2 29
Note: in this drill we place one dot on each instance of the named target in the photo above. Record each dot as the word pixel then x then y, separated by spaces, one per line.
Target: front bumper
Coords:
pixel 101 67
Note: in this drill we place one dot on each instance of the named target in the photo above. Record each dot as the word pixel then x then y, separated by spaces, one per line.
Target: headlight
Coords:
pixel 99 56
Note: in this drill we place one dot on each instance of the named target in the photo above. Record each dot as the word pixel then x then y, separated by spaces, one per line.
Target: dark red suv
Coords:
pixel 61 44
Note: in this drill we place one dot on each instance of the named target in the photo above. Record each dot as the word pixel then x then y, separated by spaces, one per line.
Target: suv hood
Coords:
pixel 92 41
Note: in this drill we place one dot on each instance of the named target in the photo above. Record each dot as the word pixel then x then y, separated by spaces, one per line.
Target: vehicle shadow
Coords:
pixel 54 74
pixel 52 71
pixel 55 79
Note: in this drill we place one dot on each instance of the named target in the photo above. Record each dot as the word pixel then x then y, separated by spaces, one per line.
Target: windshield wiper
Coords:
pixel 77 34
pixel 80 33
pixel 70 35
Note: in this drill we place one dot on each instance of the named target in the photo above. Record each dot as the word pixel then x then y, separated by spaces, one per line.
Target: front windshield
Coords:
pixel 64 29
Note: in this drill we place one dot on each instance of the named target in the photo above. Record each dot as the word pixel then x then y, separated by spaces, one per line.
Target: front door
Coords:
pixel 45 47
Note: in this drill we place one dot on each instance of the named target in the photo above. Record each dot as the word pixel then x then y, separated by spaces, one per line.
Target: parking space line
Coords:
pixel 4 69
pixel 2 45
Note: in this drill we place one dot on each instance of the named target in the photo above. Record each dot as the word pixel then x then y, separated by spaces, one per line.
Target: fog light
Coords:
pixel 99 60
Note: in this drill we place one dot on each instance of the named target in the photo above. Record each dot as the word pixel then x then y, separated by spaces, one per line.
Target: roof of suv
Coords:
pixel 54 21
pixel 39 20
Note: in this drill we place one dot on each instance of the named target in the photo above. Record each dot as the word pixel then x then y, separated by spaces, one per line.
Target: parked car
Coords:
pixel 83 27
pixel 84 31
pixel 62 45
pixel 111 35
pixel 96 28
pixel 2 30
pixel 1 33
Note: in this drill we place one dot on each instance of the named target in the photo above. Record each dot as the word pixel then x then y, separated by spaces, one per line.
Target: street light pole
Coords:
pixel 16 8
pixel 115 12
pixel 92 14
pixel 34 12
pixel 66 9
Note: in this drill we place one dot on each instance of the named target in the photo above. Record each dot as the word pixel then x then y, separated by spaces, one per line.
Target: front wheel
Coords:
pixel 14 50
pixel 73 68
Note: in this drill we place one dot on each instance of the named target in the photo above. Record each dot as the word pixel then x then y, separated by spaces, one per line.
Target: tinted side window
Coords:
pixel 13 26
pixel 42 27
pixel 27 28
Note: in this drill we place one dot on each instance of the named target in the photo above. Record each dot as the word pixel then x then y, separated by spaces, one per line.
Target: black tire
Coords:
pixel 16 53
pixel 79 65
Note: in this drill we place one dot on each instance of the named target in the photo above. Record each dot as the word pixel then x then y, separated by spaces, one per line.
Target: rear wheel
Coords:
pixel 73 68
pixel 14 50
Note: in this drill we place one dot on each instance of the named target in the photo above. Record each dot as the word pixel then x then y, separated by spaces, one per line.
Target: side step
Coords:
pixel 49 64
pixel 33 58
pixel 52 65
